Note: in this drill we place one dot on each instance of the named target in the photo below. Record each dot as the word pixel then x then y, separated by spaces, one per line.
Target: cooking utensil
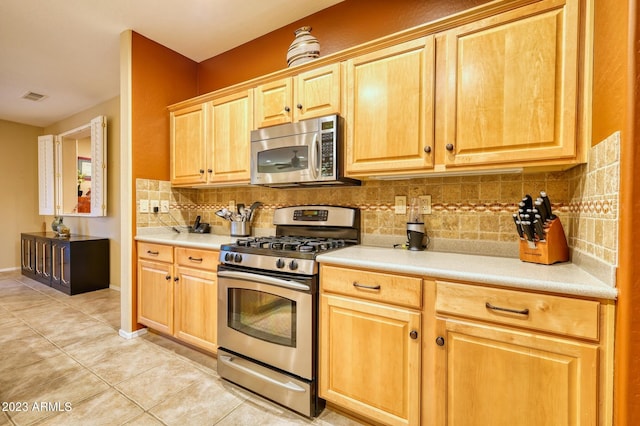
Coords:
pixel 252 209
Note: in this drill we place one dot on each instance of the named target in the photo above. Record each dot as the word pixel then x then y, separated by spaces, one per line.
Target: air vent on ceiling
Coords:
pixel 33 96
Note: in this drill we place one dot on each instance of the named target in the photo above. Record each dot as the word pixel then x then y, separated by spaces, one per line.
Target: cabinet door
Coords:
pixel 27 249
pixel 369 360
pixel 155 295
pixel 273 103
pixel 42 259
pixel 195 307
pixel 511 87
pixel 317 92
pixel 188 145
pixel 503 377
pixel 390 97
pixel 230 147
pixel 61 266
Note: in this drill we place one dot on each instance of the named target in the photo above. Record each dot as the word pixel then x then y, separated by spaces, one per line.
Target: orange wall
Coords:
pixel 614 102
pixel 160 77
pixel 344 25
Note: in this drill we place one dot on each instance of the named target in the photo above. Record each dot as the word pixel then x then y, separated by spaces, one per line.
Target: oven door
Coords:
pixel 267 317
pixel 285 160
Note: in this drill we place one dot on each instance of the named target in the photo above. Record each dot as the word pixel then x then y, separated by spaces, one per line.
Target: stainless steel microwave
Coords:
pixel 306 153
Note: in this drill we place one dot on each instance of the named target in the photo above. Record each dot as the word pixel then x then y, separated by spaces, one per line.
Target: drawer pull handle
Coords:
pixel 195 259
pixel 153 253
pixel 513 311
pixel 368 287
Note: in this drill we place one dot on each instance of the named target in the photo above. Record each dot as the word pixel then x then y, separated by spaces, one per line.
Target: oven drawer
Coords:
pixel 555 314
pixel 195 258
pixel 158 252
pixel 379 286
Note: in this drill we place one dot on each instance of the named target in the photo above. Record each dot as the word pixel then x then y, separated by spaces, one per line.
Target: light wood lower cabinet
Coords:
pixel 177 293
pixel 502 357
pixel 369 350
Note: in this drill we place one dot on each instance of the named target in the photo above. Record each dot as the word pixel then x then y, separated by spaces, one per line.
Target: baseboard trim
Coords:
pixel 133 334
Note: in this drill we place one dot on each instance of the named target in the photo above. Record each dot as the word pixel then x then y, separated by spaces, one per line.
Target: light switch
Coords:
pixel 154 205
pixel 144 206
pixel 164 206
pixel 401 204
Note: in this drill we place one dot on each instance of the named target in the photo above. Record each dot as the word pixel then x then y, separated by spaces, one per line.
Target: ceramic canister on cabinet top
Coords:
pixel 304 47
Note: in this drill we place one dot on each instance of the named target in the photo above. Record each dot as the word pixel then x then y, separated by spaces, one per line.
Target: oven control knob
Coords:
pixel 237 258
pixel 293 265
pixel 228 257
pixel 279 263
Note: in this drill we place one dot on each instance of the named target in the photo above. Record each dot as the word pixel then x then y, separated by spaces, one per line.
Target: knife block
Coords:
pixel 554 249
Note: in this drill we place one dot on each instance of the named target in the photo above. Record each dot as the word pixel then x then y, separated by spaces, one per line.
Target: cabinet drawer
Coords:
pixel 556 314
pixel 155 252
pixel 195 258
pixel 379 286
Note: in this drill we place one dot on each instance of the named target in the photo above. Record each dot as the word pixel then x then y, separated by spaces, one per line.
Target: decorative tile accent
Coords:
pixel 464 208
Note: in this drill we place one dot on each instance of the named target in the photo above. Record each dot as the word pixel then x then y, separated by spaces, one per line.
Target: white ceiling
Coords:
pixel 68 50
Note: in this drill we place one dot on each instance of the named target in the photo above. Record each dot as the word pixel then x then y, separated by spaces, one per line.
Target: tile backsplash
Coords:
pixel 469 213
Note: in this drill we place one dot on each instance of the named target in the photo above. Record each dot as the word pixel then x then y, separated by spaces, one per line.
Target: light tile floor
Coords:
pixel 62 362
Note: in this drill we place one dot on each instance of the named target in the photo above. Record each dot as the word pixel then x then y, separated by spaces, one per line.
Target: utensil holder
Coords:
pixel 240 229
pixel 552 250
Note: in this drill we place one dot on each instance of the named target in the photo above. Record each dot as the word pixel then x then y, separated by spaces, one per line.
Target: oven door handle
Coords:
pixel 227 360
pixel 263 279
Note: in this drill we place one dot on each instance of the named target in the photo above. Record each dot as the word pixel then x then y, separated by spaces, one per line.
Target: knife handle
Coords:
pixel 542 209
pixel 528 230
pixel 518 226
pixel 537 226
pixel 547 205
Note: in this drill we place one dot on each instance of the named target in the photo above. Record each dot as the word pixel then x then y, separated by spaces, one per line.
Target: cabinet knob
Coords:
pixel 176 279
pixel 413 334
pixel 287 109
pixel 440 341
pixel 299 106
pixel 210 170
pixel 168 277
pixel 449 147
pixel 427 149
pixel 201 171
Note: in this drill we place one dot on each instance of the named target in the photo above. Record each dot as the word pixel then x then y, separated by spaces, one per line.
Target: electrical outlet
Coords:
pixel 164 206
pixel 426 204
pixel 154 205
pixel 144 206
pixel 401 204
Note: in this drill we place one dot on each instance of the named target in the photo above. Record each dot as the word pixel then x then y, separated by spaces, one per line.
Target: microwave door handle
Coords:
pixel 315 149
pixel 246 276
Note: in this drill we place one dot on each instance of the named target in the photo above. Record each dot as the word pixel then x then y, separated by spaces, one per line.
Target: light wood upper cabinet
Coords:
pixel 273 103
pixel 309 94
pixel 317 92
pixel 389 111
pixel 229 147
pixel 188 145
pixel 510 87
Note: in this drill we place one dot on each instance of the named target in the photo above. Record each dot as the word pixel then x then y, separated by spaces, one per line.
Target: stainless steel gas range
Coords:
pixel 268 304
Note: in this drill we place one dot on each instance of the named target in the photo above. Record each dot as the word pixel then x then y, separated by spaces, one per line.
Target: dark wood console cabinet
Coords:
pixel 73 265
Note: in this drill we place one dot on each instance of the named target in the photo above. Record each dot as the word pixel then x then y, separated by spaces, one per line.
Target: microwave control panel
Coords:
pixel 328 135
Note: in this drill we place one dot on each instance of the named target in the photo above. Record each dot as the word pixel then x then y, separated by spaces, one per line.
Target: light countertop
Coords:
pixel 185 239
pixel 562 278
